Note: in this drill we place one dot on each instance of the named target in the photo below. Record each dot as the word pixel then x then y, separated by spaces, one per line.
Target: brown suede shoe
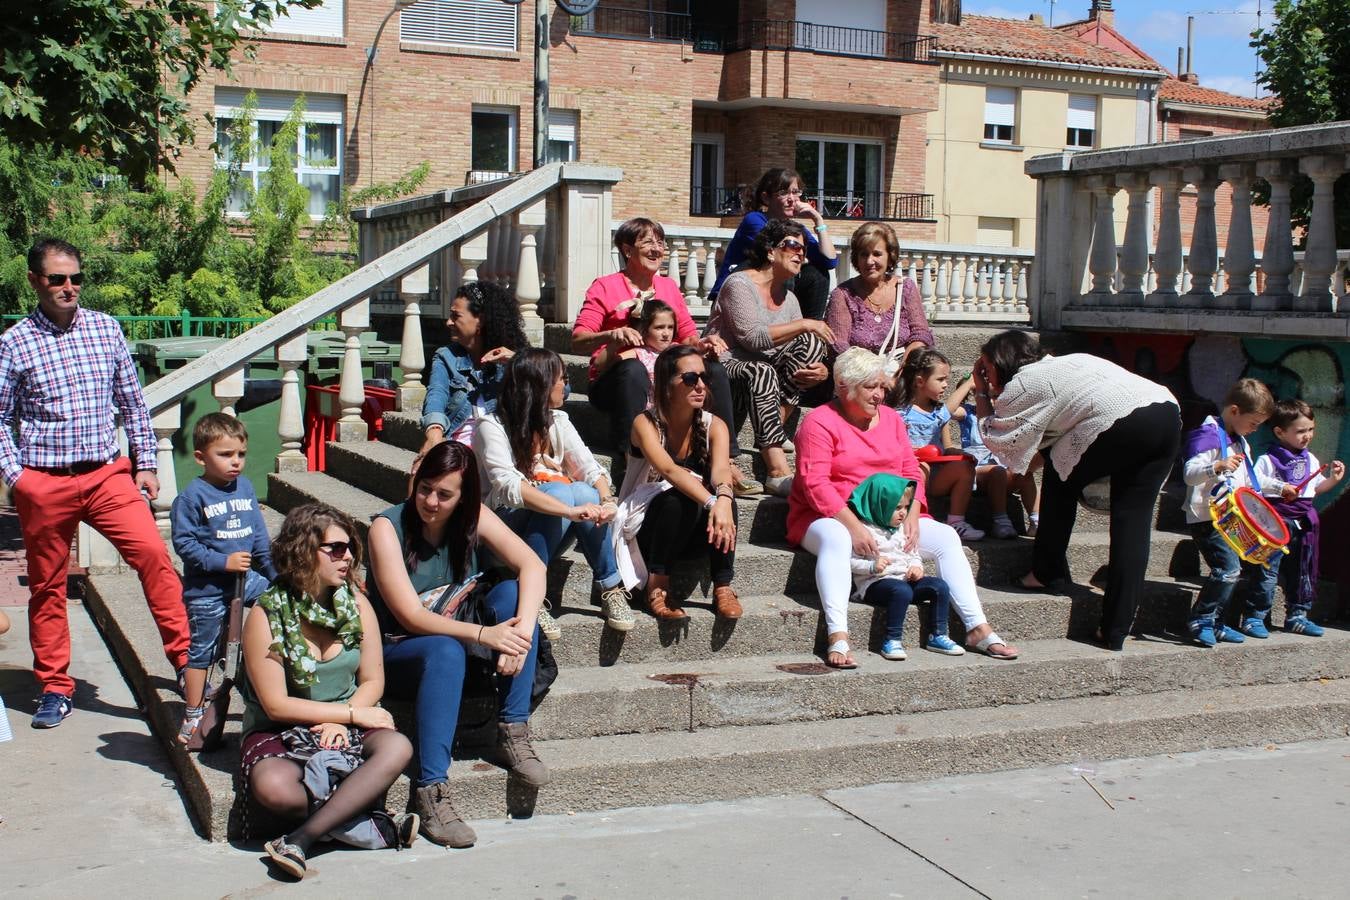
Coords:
pixel 725 603
pixel 516 751
pixel 440 824
pixel 657 603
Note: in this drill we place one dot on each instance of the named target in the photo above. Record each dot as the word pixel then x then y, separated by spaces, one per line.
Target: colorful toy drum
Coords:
pixel 1249 524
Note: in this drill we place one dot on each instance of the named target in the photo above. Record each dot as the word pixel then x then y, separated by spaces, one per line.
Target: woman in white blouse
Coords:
pixel 543 481
pixel 1093 420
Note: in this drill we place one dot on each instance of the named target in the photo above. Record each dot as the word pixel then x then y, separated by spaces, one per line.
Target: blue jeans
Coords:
pixel 429 670
pixel 546 534
pixel 1287 571
pixel 896 594
pixel 1226 569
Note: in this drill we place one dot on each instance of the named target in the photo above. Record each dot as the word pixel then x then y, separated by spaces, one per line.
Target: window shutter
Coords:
pixel 999 105
pixel 274 105
pixel 562 125
pixel 472 23
pixel 1082 112
pixel 324 20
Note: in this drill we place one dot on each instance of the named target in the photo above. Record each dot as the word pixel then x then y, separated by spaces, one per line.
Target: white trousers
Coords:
pixel 829 540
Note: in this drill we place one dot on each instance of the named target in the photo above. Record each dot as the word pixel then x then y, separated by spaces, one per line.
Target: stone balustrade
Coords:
pixel 1157 278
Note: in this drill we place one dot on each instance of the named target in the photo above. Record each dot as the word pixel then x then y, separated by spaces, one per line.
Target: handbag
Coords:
pixel 890 344
pixel 446 599
pixel 223 672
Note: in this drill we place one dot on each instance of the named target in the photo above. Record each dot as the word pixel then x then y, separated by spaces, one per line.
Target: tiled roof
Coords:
pixel 1025 39
pixel 1179 91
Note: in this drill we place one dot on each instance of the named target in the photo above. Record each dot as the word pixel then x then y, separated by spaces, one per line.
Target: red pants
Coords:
pixel 50 507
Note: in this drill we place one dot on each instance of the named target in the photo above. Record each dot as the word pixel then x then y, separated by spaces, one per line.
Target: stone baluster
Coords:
pixel 926 285
pixel 1203 260
pixel 473 252
pixel 1277 256
pixel 710 267
pixel 1134 251
pixel 942 295
pixel 165 425
pixel 413 289
pixel 529 221
pixel 673 260
pixel 1239 257
pixel 1319 253
pixel 291 355
pixel 1220 279
pixel 1009 296
pixel 1022 294
pixel 911 268
pixel 1296 281
pixel 354 320
pixel 984 283
pixel 691 279
pixel 228 389
pixel 1167 259
pixel 965 301
pixel 1102 259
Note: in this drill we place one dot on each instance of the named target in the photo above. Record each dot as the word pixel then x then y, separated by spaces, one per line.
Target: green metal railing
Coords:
pixel 149 328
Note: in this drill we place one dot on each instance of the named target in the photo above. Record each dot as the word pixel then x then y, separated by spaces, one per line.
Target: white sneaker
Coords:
pixel 968 532
pixel 778 485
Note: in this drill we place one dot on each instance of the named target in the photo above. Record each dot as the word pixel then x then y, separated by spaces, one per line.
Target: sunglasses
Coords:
pixel 689 379
pixel 791 245
pixel 59 279
pixel 336 550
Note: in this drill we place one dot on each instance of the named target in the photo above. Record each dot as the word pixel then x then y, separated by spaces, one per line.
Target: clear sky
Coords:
pixel 1220 55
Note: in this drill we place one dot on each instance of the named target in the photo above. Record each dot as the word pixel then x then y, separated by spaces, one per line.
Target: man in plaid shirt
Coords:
pixel 64 373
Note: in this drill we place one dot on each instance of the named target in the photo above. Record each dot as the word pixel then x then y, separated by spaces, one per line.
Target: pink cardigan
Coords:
pixel 833 458
pixel 599 313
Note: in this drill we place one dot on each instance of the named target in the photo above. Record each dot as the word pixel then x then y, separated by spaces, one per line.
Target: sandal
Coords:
pixel 840 649
pixel 987 644
pixel 288 857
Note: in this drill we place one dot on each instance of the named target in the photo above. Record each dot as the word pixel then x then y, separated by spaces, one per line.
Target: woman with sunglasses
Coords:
pixel 438 538
pixel 677 496
pixel 778 195
pixel 608 319
pixel 774 354
pixel 485 331
pixel 314 674
pixel 543 481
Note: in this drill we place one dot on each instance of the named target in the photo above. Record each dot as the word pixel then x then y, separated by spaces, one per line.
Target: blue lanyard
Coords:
pixel 1247 458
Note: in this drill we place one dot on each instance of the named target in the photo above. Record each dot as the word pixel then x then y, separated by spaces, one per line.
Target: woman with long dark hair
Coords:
pixel 543 481
pixel 314 677
pixel 485 332
pixel 774 354
pixel 677 495
pixel 779 196
pixel 433 540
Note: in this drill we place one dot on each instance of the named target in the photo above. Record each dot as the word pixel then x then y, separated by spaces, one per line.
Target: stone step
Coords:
pixel 744 727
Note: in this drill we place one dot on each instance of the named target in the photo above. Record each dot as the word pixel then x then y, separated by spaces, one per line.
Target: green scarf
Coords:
pixel 285 611
pixel 874 501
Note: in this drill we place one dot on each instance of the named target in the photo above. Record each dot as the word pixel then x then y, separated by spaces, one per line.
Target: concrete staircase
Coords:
pixel 715 710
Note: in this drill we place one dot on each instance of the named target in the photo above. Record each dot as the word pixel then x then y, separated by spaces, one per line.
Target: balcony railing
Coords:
pixel 882 205
pixel 754 34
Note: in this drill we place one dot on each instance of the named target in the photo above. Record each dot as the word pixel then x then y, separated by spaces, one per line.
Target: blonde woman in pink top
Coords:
pixel 840 444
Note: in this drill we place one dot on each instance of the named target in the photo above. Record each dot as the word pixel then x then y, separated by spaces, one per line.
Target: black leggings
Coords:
pixel 812 287
pixel 622 391
pixel 1136 453
pixel 674 528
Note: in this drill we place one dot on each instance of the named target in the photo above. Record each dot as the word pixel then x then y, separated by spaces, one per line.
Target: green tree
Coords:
pixel 111 77
pixel 1306 54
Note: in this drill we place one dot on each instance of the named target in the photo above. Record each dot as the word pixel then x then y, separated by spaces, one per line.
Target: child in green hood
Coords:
pixel 894 578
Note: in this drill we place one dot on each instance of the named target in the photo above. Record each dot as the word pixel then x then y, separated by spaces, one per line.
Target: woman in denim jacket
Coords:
pixel 466 374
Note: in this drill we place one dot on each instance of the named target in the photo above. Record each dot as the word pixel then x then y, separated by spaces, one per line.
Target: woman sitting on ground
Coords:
pixel 773 353
pixel 839 445
pixel 485 332
pixel 543 481
pixel 878 309
pixel 433 539
pixel 314 676
pixel 677 496
pixel 778 197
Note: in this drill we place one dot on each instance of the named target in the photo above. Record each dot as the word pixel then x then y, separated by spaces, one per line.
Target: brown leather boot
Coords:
pixel 440 823
pixel 517 752
pixel 657 603
pixel 725 603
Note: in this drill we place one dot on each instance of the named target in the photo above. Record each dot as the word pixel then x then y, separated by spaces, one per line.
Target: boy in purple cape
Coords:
pixel 1294 478
pixel 1217 452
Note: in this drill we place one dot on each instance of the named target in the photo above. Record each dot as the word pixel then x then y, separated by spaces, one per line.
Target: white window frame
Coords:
pixel 816 187
pixel 700 179
pixel 458 23
pixel 999 114
pixel 275 106
pixel 564 127
pixel 325 20
pixel 512 137
pixel 1077 122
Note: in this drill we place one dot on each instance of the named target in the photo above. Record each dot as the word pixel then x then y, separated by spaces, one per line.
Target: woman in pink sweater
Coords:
pixel 840 444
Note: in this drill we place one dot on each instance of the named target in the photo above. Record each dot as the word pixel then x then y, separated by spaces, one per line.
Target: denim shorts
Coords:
pixel 206 620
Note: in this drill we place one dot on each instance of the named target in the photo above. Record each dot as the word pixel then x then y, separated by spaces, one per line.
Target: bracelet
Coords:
pixel 479 639
pixel 351 714
pixel 710 502
pixel 822 227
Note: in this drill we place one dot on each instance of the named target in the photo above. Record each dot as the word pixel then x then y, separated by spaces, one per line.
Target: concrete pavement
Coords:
pixel 91 808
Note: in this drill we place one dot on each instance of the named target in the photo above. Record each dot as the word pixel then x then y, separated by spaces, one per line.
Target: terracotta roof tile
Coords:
pixel 1183 92
pixel 1024 39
